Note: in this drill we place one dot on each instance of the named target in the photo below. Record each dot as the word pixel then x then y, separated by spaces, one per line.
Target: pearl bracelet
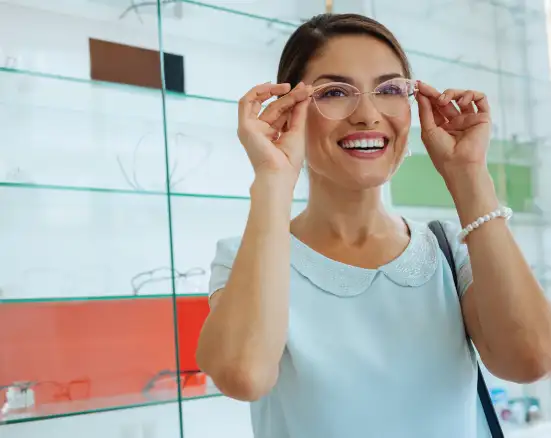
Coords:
pixel 504 212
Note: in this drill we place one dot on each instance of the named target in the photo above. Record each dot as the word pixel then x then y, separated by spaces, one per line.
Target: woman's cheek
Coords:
pixel 401 127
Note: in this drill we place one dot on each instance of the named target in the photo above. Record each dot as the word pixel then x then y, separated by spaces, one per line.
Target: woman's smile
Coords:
pixel 364 144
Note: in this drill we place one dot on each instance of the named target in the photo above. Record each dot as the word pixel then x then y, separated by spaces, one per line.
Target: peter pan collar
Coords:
pixel 413 268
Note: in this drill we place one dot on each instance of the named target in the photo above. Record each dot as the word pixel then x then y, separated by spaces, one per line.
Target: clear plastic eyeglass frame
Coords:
pixel 390 98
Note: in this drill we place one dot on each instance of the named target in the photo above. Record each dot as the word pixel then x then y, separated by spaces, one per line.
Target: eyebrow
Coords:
pixel 348 80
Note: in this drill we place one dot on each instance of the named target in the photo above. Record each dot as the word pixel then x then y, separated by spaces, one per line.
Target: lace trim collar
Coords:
pixel 413 268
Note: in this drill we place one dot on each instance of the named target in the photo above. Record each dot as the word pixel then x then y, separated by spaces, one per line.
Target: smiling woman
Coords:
pixel 332 321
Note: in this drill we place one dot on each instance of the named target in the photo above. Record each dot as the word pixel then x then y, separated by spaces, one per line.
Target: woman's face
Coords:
pixel 364 62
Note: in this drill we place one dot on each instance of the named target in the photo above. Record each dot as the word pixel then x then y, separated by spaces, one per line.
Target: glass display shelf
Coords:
pixel 65 244
pixel 512 6
pixel 219 8
pixel 74 243
pixel 113 86
pixel 100 298
pixel 92 406
pixel 35 91
pixel 83 355
pixel 15 185
pixel 96 136
pixel 285 27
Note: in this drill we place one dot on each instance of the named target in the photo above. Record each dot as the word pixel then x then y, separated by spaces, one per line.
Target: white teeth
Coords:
pixel 364 143
pixel 368 151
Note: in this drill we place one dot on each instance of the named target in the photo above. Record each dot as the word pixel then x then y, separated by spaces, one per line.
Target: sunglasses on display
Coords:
pixel 339 100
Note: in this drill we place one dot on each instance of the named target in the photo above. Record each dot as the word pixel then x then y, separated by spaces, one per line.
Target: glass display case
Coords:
pixel 117 130
pixel 119 171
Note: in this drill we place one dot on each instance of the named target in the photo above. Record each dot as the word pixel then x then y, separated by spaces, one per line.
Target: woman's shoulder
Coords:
pixel 226 250
pixel 421 231
pixel 451 228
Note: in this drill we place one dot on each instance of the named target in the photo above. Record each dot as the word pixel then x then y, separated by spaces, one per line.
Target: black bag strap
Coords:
pixel 491 417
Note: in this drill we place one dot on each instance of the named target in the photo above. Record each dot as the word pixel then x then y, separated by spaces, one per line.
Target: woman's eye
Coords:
pixel 332 92
pixel 392 90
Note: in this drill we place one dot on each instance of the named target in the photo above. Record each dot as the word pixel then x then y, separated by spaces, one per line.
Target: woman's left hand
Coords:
pixel 457 140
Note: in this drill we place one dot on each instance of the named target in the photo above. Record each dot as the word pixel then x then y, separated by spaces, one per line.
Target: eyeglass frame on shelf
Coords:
pixel 137 285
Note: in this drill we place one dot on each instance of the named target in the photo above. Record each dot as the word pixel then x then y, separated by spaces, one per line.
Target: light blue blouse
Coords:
pixel 371 352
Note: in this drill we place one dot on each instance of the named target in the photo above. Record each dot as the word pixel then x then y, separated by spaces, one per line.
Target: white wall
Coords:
pixel 60 243
pixel 211 418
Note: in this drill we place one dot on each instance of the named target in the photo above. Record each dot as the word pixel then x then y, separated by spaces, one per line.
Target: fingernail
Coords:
pixel 442 98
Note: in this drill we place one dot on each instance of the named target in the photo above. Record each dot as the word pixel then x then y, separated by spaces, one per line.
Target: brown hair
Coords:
pixel 306 42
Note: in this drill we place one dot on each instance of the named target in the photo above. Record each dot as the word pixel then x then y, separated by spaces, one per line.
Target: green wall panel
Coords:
pixel 418 184
pixel 518 185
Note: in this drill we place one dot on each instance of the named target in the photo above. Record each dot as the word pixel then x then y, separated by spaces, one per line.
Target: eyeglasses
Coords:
pixel 167 378
pixel 51 391
pixel 161 274
pixel 339 100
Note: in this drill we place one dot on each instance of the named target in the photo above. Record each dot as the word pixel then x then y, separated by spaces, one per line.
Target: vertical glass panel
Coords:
pixel 86 319
pixel 213 54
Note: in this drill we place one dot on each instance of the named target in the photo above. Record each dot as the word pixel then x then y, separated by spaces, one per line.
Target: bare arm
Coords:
pixel 506 313
pixel 244 336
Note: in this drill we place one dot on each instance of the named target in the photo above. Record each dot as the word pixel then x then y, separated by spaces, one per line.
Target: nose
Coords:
pixel 366 113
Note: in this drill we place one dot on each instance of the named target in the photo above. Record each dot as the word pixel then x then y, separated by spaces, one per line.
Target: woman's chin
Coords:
pixel 354 181
pixel 351 177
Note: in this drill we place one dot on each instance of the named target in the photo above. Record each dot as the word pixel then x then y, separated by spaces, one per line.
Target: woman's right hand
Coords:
pixel 275 139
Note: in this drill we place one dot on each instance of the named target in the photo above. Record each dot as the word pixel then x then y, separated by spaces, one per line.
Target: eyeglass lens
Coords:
pixel 338 101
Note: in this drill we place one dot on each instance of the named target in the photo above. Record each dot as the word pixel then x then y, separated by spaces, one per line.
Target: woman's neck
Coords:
pixel 348 216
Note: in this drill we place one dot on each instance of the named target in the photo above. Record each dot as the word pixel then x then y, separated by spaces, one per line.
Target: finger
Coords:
pixel 269 132
pixel 479 98
pixel 449 95
pixel 439 118
pixel 279 124
pixel 250 103
pixel 277 111
pixel 466 121
pixel 276 90
pixel 297 127
pixel 481 102
pixel 465 103
pixel 448 110
pixel 446 107
pixel 426 113
pixel 286 103
pixel 428 90
pixel 297 124
pixel 445 100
